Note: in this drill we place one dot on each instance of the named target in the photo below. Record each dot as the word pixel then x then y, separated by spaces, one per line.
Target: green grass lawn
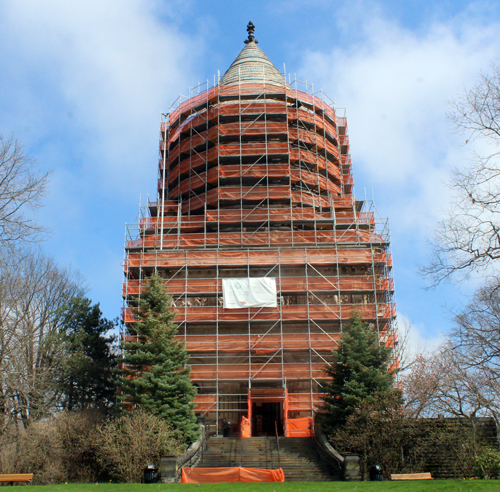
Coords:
pixel 417 486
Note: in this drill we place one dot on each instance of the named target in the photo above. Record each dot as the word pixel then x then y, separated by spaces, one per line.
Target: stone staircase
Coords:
pixel 299 460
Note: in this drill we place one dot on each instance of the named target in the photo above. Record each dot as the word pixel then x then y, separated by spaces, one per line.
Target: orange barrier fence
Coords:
pixel 234 474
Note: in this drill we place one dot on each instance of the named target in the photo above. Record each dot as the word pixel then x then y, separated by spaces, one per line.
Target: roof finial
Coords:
pixel 250 30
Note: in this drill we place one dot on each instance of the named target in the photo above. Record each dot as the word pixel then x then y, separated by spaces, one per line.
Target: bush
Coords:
pixel 487 464
pixel 82 447
pixel 131 442
pixel 60 449
pixel 380 434
pixel 449 448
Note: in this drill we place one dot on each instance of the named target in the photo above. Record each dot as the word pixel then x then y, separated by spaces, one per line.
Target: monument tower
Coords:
pixel 262 244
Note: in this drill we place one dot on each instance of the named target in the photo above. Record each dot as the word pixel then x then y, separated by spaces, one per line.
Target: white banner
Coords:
pixel 249 292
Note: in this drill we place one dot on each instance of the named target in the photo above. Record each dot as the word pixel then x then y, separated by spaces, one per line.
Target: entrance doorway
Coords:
pixel 265 417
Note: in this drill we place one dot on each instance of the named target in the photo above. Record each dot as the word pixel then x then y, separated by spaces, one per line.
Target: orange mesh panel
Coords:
pixel 276 238
pixel 236 474
pixel 211 96
pixel 287 284
pixel 285 412
pixel 301 402
pixel 249 404
pixel 296 312
pixel 297 256
pixel 258 215
pixel 257 371
pixel 205 403
pixel 300 427
pixel 270 127
pixel 246 430
pixel 213 175
pixel 315 160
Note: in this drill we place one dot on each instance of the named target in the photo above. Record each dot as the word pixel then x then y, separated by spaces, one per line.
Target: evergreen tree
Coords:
pixel 359 373
pixel 155 374
pixel 87 376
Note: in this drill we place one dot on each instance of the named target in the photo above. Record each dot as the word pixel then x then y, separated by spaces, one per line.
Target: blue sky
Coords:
pixel 84 83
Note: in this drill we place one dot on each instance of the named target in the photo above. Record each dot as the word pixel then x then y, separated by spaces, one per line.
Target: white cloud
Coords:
pixel 83 85
pixel 395 84
pixel 100 70
pixel 416 339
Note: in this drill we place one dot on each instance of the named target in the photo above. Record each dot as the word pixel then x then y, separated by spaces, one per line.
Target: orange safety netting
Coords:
pixel 275 238
pixel 197 222
pixel 216 173
pixel 234 474
pixel 286 408
pixel 296 256
pixel 261 344
pixel 302 427
pixel 235 129
pixel 205 403
pixel 200 159
pixel 294 312
pixel 255 194
pixel 224 128
pixel 201 101
pixel 193 222
pixel 246 429
pixel 299 402
pixel 284 284
pixel 246 423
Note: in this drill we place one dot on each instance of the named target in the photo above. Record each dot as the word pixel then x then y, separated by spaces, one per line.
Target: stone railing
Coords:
pixel 171 466
pixel 347 467
pixel 328 454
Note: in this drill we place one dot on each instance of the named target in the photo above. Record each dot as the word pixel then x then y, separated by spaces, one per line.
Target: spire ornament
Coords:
pixel 251 30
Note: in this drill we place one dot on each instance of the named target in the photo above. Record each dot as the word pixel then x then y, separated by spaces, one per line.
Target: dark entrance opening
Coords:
pixel 265 417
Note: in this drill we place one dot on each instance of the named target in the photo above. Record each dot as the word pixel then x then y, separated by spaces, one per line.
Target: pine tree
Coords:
pixel 155 374
pixel 86 379
pixel 359 373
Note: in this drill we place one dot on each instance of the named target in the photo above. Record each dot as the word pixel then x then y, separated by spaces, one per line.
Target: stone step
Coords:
pixel 298 458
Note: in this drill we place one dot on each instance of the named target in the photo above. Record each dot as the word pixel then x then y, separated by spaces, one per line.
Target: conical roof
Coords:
pixel 252 66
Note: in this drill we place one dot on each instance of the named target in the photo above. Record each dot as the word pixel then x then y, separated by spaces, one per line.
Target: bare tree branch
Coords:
pixel 468 238
pixel 31 291
pixel 21 191
pixel 462 378
pixel 445 384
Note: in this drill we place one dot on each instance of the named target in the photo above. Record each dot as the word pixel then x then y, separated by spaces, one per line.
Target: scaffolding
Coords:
pixel 255 180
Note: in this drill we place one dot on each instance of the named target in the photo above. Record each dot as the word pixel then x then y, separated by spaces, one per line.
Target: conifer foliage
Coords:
pixel 155 374
pixel 359 372
pixel 87 378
